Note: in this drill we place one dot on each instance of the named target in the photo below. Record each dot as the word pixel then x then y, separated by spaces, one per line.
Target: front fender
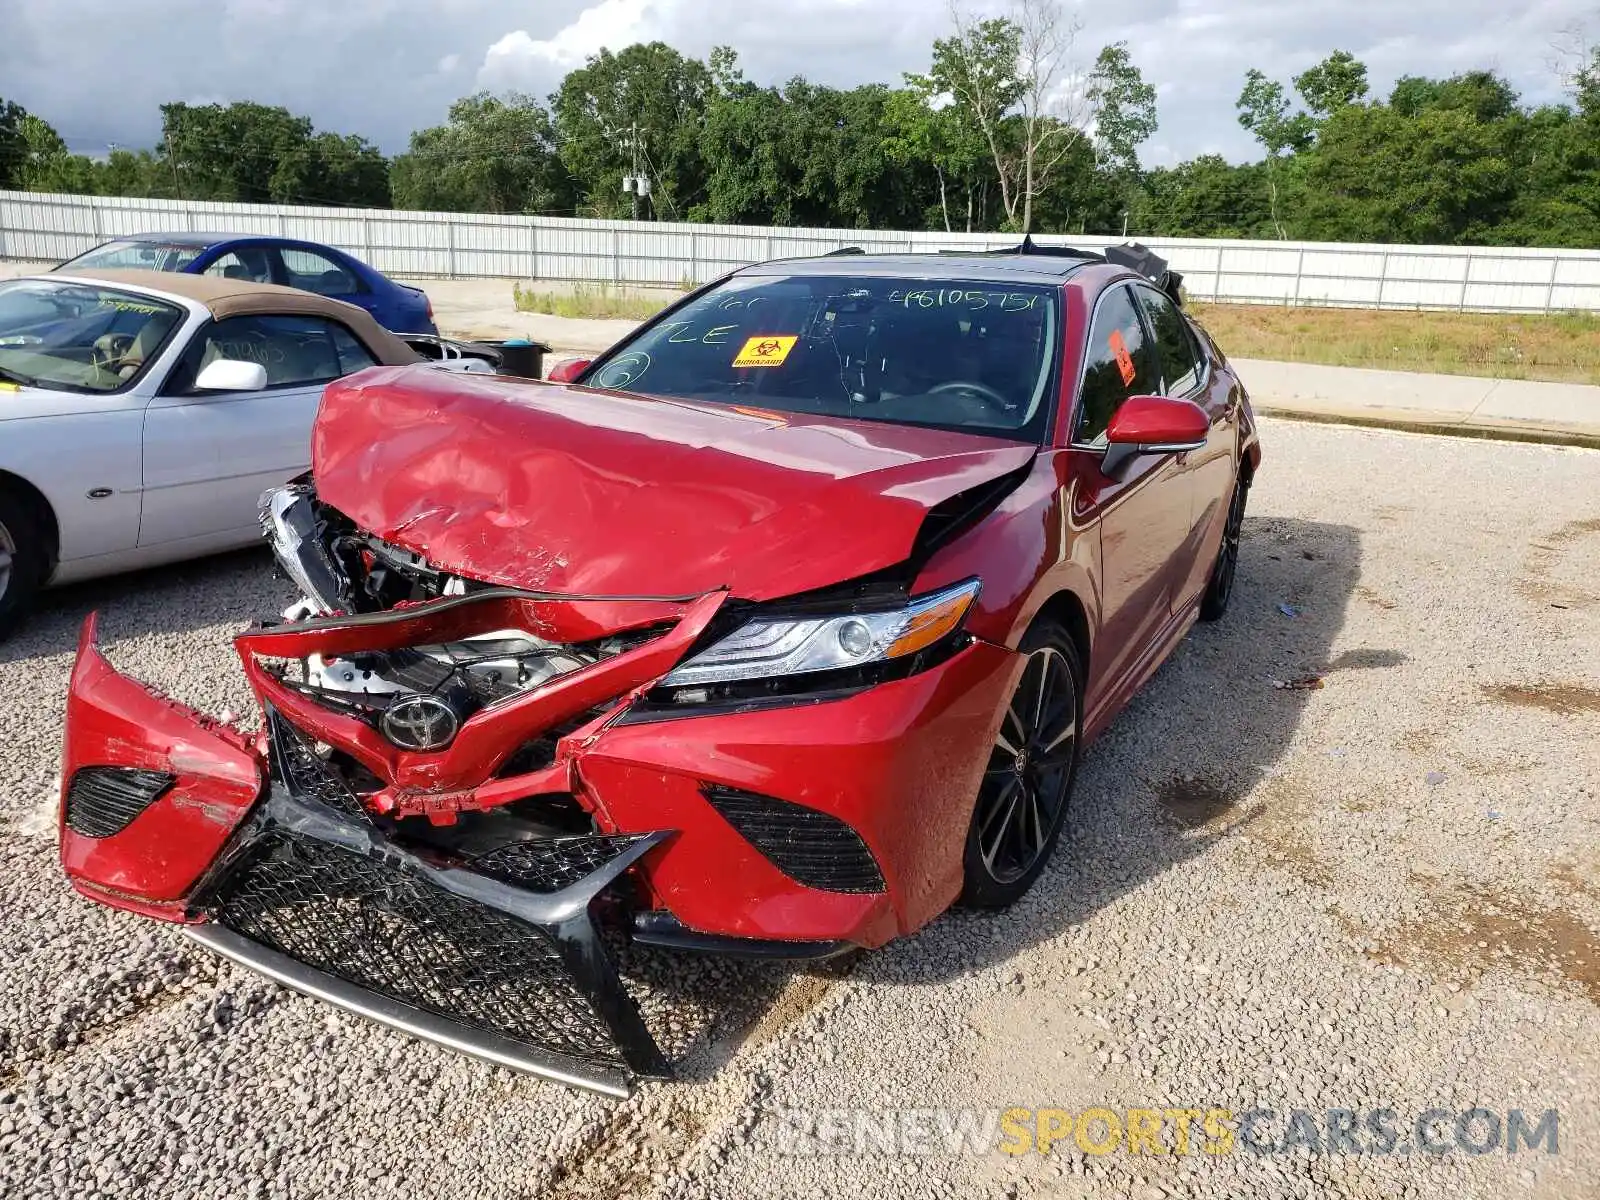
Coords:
pixel 1026 552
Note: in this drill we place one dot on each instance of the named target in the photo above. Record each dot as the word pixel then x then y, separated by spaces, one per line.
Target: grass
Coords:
pixel 1559 348
pixel 589 300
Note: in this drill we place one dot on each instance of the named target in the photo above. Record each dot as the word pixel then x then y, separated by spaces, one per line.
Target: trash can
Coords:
pixel 522 358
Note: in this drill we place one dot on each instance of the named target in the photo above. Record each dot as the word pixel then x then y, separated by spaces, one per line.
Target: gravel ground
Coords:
pixel 1381 893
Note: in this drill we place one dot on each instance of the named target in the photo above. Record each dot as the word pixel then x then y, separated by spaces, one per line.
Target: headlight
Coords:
pixel 289 522
pixel 770 647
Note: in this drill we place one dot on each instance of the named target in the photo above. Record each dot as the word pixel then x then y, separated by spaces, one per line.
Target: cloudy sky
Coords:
pixel 98 69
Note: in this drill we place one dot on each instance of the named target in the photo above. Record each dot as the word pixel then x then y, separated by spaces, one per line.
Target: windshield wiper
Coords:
pixel 12 377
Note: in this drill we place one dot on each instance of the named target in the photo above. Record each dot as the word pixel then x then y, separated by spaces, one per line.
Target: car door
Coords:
pixel 208 456
pixel 1143 508
pixel 1207 473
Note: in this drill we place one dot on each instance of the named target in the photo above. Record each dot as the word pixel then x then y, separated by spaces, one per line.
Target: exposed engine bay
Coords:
pixel 339 569
pixel 416 696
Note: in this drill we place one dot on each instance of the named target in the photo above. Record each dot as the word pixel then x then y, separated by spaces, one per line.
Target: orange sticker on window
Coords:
pixel 766 350
pixel 1119 347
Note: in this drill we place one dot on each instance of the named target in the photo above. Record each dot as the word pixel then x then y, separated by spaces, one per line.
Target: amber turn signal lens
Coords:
pixel 925 628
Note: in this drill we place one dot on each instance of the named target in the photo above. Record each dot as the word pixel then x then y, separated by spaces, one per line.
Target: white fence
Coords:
pixel 39 227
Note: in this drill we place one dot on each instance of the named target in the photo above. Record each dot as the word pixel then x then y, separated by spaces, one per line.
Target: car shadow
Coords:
pixel 1168 781
pixel 222 590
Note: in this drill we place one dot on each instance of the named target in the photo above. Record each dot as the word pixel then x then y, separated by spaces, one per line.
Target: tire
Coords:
pixel 23 561
pixel 1219 588
pixel 1001 862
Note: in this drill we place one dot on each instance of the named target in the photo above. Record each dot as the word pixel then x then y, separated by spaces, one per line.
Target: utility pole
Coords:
pixel 633 144
pixel 173 162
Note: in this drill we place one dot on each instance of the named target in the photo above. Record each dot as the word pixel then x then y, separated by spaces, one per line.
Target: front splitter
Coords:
pixel 404 1018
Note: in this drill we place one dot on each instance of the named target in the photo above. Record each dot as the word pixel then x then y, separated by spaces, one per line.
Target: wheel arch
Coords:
pixel 37 501
pixel 1066 609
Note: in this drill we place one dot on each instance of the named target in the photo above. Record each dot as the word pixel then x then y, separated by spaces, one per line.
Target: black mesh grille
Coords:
pixel 550 864
pixel 102 801
pixel 307 775
pixel 399 935
pixel 808 846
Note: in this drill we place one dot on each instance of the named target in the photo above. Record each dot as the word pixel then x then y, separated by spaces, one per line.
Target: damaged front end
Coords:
pixel 409 836
pixel 463 789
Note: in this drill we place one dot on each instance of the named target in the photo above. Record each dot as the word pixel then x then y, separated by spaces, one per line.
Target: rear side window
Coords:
pixel 248 263
pixel 296 351
pixel 1175 343
pixel 1119 362
pixel 318 273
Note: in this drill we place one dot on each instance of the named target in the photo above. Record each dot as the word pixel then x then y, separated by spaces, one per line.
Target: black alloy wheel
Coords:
pixel 1022 800
pixel 1220 588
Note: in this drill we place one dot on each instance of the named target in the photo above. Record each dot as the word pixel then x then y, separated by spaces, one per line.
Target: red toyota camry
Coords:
pixel 775 631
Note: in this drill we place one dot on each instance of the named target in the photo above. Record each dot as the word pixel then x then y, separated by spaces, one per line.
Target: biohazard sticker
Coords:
pixel 767 350
pixel 1119 347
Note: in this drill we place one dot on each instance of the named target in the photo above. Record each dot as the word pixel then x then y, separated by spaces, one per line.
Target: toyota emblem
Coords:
pixel 419 723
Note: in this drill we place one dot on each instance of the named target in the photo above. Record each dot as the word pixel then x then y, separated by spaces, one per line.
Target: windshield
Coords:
pixel 136 256
pixel 948 354
pixel 79 337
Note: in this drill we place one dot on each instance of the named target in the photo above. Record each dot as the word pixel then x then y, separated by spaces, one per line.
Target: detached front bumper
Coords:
pixel 813 825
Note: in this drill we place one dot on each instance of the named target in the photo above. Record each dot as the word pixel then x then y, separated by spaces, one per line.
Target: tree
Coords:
pixel 1377 175
pixel 806 155
pixel 135 173
pixel 1204 197
pixel 977 71
pixel 496 154
pixel 246 152
pixel 13 145
pixel 259 154
pixel 640 111
pixel 1125 118
pixel 49 166
pixel 1012 75
pixel 1125 108
pixel 925 127
pixel 1264 110
pixel 1335 83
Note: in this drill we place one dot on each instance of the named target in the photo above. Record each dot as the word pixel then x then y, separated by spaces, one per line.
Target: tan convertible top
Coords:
pixel 240 298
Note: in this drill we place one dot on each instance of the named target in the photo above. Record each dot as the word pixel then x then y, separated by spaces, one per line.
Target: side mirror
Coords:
pixel 231 375
pixel 568 371
pixel 1154 425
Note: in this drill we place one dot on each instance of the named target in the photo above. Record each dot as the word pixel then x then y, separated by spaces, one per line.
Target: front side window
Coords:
pixel 951 354
pixel 137 256
pixel 318 273
pixel 1175 344
pixel 1119 362
pixel 296 351
pixel 78 337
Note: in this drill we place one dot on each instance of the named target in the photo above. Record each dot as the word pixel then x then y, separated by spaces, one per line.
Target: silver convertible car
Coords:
pixel 143 414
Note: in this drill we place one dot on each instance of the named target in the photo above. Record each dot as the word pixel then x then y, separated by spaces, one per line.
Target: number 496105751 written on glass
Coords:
pixel 961 298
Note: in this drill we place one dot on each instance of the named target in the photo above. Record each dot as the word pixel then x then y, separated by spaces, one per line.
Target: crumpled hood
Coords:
pixel 587 492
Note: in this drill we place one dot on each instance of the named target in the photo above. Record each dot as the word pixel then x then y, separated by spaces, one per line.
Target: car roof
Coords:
pixel 1015 268
pixel 242 297
pixel 189 238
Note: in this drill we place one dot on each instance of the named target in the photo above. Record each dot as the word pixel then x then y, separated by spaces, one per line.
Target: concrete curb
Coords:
pixel 1418 423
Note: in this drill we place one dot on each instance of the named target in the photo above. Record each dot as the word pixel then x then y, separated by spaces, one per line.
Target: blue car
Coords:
pixel 304 265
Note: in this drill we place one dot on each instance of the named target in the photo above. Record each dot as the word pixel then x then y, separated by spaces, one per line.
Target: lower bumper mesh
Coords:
pixel 501 949
pixel 370 925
